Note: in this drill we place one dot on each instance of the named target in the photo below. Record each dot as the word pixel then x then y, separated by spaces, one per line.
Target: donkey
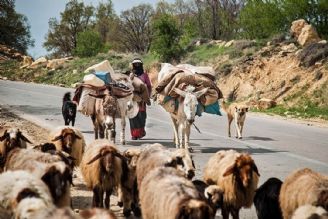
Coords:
pixel 107 108
pixel 185 115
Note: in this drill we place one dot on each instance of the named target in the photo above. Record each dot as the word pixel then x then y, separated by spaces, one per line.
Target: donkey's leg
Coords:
pixel 175 129
pixel 95 125
pixel 123 124
pixel 187 136
pixel 181 135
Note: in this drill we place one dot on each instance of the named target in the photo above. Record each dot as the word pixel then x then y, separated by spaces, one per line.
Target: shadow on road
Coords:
pixel 165 142
pixel 257 138
pixel 38 110
pixel 244 150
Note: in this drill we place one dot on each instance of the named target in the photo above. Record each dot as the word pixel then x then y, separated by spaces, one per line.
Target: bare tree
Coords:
pixel 135 28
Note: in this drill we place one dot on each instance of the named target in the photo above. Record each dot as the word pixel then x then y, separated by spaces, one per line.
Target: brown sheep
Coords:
pixel 303 187
pixel 11 138
pixel 185 162
pixel 237 175
pixel 166 193
pixel 104 169
pixel 70 140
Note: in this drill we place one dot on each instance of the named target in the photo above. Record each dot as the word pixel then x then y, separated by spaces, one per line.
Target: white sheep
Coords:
pixel 303 187
pixel 166 193
pixel 18 185
pixel 310 211
pixel 70 140
pixel 53 172
pixel 237 175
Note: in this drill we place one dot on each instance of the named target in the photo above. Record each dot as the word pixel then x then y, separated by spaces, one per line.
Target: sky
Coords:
pixel 38 13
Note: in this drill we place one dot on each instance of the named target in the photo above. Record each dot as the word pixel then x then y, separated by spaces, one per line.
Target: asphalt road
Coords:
pixel 278 146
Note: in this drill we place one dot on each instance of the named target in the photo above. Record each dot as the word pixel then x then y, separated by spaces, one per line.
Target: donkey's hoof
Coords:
pixel 240 137
pixel 123 142
pixel 190 149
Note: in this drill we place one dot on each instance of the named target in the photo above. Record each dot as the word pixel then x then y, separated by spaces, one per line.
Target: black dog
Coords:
pixel 266 200
pixel 68 109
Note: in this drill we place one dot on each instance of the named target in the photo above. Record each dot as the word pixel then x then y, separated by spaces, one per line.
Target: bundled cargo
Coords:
pixel 180 77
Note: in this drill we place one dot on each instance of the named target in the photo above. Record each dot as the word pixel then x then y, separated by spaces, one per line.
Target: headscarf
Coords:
pixel 137 66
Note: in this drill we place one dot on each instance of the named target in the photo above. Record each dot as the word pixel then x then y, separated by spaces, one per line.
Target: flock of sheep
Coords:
pixel 153 182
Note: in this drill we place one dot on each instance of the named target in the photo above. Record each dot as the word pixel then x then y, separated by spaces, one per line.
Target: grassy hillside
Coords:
pixel 308 97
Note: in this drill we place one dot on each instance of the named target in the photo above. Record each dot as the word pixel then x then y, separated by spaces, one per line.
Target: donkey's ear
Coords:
pixel 201 92
pixel 180 92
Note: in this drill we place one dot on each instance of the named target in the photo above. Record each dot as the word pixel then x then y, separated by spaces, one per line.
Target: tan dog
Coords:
pixel 238 112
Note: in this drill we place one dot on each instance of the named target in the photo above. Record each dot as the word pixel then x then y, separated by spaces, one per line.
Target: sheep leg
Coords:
pixel 97 198
pixel 175 129
pixel 235 213
pixel 123 124
pixel 107 198
pixel 225 212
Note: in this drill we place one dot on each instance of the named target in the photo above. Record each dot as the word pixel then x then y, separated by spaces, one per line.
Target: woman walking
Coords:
pixel 138 123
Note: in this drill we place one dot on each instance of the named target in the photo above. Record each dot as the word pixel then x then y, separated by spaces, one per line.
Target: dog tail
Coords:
pixel 67 97
pixel 224 105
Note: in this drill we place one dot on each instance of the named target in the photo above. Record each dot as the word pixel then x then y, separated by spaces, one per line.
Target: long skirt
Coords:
pixel 138 123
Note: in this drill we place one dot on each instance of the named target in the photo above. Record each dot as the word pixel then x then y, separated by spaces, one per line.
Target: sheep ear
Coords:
pixel 59 137
pixel 25 139
pixel 95 158
pixel 77 136
pixel 4 136
pixel 208 195
pixel 254 167
pixel 230 170
pixel 26 193
pixel 171 163
pixel 180 92
pixel 179 161
pixel 201 92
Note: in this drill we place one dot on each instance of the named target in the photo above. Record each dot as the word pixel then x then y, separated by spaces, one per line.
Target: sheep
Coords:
pixel 305 186
pixel 310 212
pixel 185 162
pixel 212 194
pixel 16 186
pixel 237 175
pixel 51 149
pixel 34 208
pixel 266 200
pixel 104 169
pixel 53 172
pixel 166 193
pixel 70 140
pixel 96 213
pixel 152 156
pixel 132 156
pixel 11 138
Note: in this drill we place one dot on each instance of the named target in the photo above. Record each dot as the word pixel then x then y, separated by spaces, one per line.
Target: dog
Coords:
pixel 236 112
pixel 68 109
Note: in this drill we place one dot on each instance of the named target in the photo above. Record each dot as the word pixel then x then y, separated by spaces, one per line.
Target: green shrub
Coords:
pixel 88 44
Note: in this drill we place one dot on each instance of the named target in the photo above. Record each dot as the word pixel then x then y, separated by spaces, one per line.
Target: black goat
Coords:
pixel 68 109
pixel 266 200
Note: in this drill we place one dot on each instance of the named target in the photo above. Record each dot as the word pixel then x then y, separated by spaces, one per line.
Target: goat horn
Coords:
pixel 25 139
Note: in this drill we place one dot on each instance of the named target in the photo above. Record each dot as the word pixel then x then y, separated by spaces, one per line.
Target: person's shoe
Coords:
pixel 134 138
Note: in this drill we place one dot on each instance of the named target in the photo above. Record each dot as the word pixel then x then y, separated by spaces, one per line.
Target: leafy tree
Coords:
pixel 62 36
pixel 262 19
pixel 88 44
pixel 14 27
pixel 135 31
pixel 166 39
pixel 104 18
